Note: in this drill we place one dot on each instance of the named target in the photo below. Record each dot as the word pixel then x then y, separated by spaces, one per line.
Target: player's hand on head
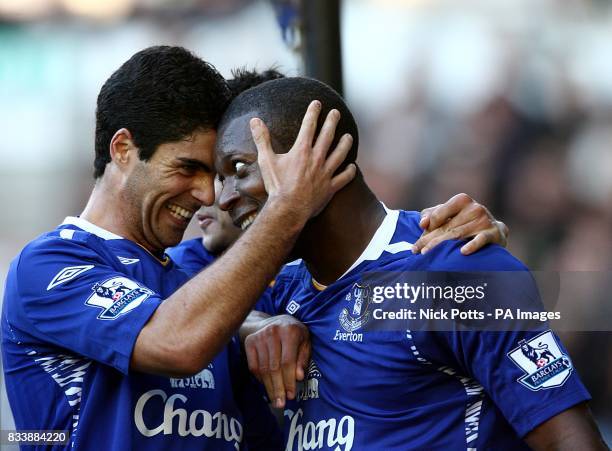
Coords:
pixel 278 354
pixel 304 177
pixel 460 217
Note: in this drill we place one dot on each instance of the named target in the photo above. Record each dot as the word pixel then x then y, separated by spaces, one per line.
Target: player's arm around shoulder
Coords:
pixel 460 218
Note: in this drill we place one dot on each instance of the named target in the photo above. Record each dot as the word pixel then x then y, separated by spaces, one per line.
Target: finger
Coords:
pixel 425 213
pixel 262 361
pixel 447 210
pixel 264 371
pixel 326 135
pixel 338 155
pixel 480 240
pixel 504 231
pixel 341 180
pixel 421 242
pixel 274 358
pixel 288 363
pixel 469 216
pixel 252 357
pixel 309 125
pixel 267 382
pixel 463 231
pixel 278 389
pixel 261 136
pixel 430 240
pixel 302 360
pixel 265 153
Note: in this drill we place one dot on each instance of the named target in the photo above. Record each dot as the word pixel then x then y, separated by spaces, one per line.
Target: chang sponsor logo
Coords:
pixel 309 387
pixel 204 379
pixel 177 420
pixel 337 435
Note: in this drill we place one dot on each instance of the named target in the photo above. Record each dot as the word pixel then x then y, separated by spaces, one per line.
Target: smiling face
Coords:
pixel 162 194
pixel 218 230
pixel 243 194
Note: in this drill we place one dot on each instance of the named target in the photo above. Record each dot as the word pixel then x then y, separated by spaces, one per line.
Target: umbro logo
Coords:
pixel 128 261
pixel 68 273
pixel 292 307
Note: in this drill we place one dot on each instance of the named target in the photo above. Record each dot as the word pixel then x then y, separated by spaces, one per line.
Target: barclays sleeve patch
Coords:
pixel 543 362
pixel 117 296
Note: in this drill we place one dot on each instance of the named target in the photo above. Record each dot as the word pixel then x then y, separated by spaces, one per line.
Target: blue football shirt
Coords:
pixel 75 301
pixel 191 255
pixel 415 390
pixel 260 427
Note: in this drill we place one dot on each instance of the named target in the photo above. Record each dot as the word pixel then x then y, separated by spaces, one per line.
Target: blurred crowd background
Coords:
pixel 509 101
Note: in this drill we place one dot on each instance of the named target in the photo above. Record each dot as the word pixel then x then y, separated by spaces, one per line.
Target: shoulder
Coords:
pixel 408 224
pixel 291 271
pixel 191 254
pixel 66 242
pixel 447 256
pixel 188 246
pixel 290 278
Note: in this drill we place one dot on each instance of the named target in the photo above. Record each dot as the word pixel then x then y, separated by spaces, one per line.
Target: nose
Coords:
pixel 228 196
pixel 204 191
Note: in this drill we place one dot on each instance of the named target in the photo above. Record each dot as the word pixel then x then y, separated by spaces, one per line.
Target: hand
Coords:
pixel 303 179
pixel 460 217
pixel 278 353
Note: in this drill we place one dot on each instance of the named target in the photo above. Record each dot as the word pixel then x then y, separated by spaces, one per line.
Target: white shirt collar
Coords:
pixel 381 240
pixel 91 228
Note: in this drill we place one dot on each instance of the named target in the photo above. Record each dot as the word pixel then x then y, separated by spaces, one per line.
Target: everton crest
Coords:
pixel 543 362
pixel 357 314
pixel 117 296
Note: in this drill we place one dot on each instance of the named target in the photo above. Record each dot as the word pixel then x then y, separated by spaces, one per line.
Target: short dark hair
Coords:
pixel 161 94
pixel 281 104
pixel 243 79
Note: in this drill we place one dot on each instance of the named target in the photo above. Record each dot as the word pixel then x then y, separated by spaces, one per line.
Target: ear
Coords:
pixel 122 148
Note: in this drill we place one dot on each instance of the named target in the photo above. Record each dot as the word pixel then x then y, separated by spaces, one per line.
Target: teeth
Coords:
pixel 180 212
pixel 248 221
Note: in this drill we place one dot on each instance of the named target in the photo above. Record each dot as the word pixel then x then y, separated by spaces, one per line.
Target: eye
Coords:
pixel 188 169
pixel 239 166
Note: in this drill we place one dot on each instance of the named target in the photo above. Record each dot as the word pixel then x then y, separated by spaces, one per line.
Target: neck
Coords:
pixel 101 210
pixel 332 241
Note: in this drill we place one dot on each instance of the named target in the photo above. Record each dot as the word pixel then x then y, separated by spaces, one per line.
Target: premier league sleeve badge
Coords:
pixel 543 362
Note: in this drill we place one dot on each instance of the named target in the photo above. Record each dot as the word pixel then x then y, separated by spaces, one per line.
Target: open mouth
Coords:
pixel 180 212
pixel 246 222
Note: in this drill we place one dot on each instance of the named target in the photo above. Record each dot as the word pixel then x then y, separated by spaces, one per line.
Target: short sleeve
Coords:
pixel 66 293
pixel 525 370
pixel 528 375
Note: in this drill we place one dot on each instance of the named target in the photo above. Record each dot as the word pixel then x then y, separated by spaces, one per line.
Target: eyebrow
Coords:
pixel 197 163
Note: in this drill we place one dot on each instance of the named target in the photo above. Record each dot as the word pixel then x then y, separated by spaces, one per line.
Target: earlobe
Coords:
pixel 122 146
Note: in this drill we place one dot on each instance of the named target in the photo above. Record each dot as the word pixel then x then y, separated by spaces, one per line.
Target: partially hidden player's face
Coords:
pixel 243 194
pixel 218 229
pixel 165 192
